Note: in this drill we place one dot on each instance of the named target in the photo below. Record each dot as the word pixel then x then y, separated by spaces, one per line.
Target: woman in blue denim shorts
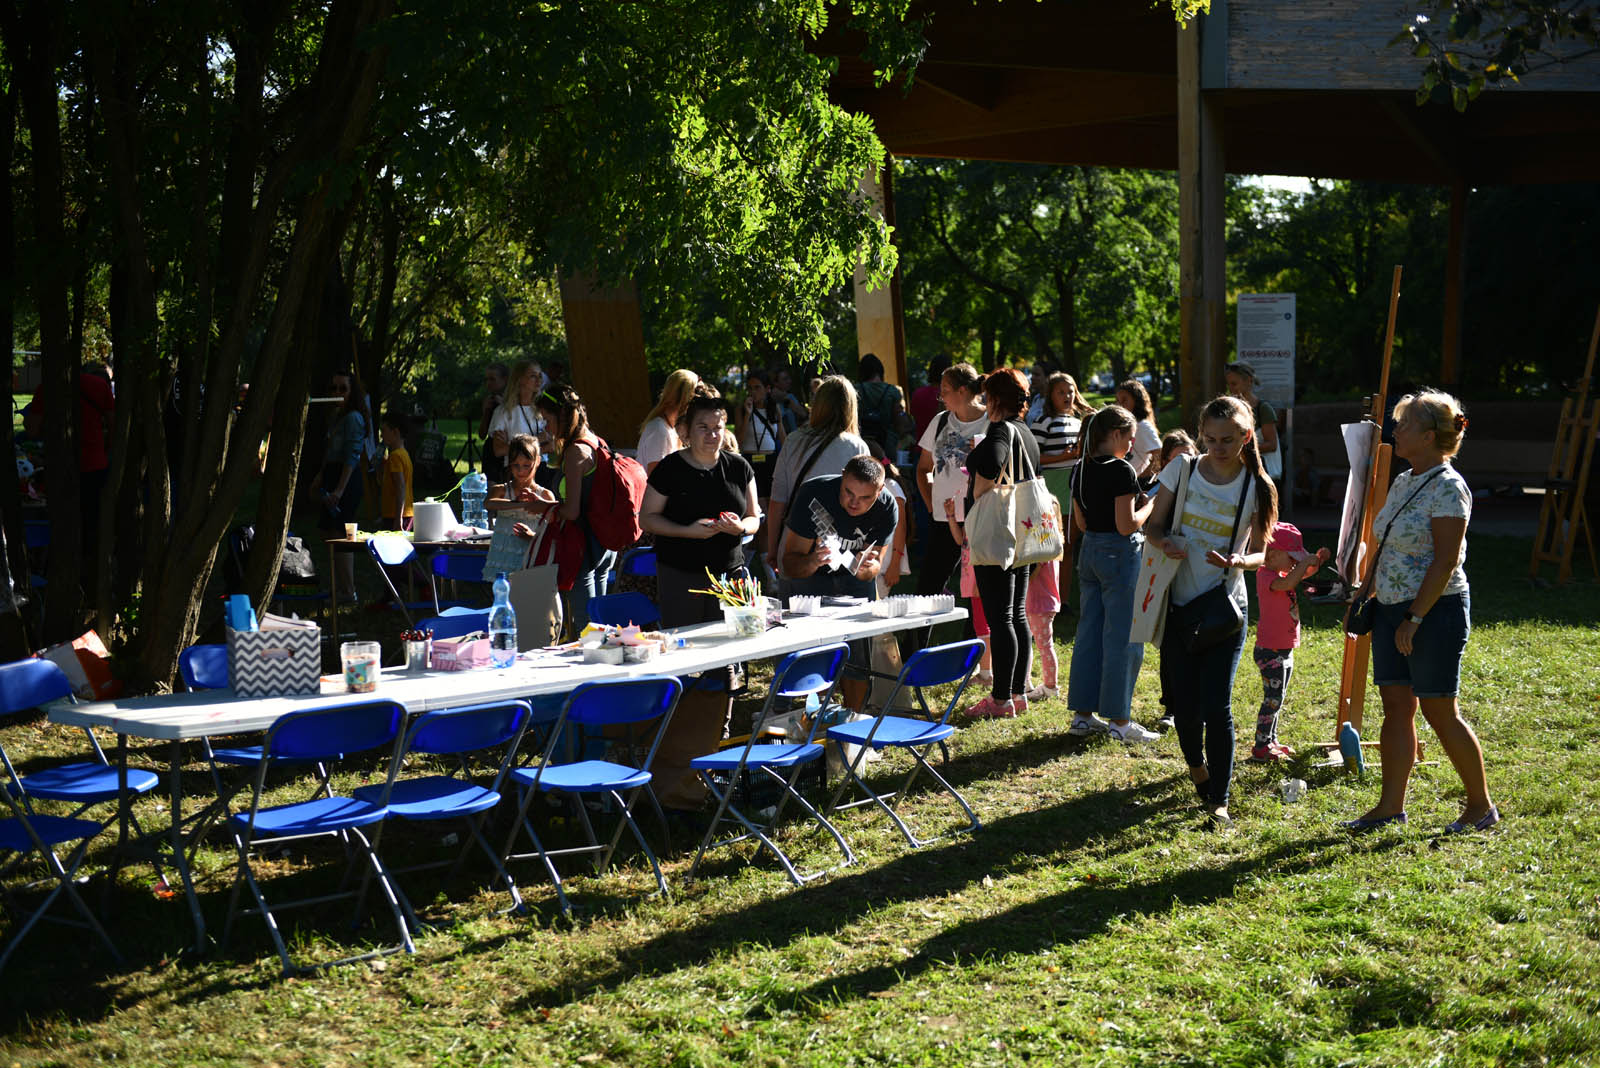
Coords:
pixel 1424 612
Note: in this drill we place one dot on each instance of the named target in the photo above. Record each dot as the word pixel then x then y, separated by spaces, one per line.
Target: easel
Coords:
pixel 1357 648
pixel 1567 481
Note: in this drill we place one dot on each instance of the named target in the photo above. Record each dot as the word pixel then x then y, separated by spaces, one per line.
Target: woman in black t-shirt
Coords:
pixel 1109 508
pixel 1004 591
pixel 700 503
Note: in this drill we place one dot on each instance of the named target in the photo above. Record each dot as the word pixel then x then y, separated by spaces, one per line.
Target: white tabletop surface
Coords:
pixel 213 712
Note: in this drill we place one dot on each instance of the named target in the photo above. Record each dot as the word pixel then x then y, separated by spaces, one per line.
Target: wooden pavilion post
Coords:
pixel 1454 279
pixel 880 321
pixel 1202 308
pixel 605 343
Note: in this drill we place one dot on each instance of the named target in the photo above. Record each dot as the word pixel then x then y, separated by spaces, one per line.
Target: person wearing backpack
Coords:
pixel 882 408
pixel 578 450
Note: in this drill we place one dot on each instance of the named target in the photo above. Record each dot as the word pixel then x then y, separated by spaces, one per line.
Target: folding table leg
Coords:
pixel 179 849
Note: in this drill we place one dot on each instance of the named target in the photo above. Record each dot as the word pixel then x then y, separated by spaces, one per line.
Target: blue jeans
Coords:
pixel 1199 689
pixel 590 582
pixel 1105 665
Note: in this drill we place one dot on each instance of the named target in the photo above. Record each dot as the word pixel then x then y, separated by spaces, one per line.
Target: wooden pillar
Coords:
pixel 880 323
pixel 605 345
pixel 1202 308
pixel 1455 273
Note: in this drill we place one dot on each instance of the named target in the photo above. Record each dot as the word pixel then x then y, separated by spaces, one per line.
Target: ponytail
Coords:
pixel 1104 423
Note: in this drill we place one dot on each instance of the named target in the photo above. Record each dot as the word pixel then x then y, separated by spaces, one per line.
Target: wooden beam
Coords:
pixel 1026 100
pixel 1202 345
pixel 880 322
pixel 605 343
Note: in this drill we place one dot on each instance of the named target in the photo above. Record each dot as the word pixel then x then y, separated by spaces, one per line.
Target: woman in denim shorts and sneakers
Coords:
pixel 1424 612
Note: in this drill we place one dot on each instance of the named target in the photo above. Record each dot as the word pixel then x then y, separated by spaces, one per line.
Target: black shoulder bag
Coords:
pixel 1366 609
pixel 1213 617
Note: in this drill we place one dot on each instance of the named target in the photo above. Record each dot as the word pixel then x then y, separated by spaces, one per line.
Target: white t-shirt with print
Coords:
pixel 1207 519
pixel 1408 550
pixel 949 449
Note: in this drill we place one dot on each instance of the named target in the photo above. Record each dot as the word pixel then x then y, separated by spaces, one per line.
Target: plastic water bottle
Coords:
pixel 1350 748
pixel 813 708
pixel 502 626
pixel 474 490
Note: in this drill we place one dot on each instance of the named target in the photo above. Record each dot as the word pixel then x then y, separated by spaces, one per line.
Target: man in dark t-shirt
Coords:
pixel 836 531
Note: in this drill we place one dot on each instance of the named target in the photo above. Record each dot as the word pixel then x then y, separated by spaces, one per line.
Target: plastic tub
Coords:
pixel 745 621
pixel 360 660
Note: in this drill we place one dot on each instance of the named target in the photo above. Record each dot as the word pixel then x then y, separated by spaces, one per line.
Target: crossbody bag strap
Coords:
pixel 1390 526
pixel 805 468
pixel 1238 513
pixel 1181 498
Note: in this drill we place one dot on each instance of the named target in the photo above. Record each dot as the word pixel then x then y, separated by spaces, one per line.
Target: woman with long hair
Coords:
pixel 658 434
pixel 575 447
pixel 517 413
pixel 1229 510
pixel 1007 447
pixel 819 449
pixel 1146 435
pixel 1109 509
pixel 1242 383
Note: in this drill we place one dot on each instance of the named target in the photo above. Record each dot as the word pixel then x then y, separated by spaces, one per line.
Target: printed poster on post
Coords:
pixel 1265 341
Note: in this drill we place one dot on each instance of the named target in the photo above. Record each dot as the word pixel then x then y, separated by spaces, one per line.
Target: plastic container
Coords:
pixel 419 654
pixel 502 626
pixel 1293 790
pixel 745 621
pixel 474 491
pixel 360 660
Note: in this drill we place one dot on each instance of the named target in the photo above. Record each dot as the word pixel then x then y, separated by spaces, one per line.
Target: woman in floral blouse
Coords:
pixel 1424 611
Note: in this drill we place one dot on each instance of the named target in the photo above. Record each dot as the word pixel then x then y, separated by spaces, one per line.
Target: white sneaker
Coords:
pixel 1131 732
pixel 1083 726
pixel 1042 693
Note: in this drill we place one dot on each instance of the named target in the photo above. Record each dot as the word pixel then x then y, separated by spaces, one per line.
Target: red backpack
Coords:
pixel 615 498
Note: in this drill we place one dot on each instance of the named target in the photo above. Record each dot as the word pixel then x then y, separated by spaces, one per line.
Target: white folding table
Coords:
pixel 180 717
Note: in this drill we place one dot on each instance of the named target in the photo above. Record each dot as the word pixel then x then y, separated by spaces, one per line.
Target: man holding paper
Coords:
pixel 837 530
pixel 834 538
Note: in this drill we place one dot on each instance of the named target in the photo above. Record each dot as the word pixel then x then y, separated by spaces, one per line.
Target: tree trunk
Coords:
pixel 1067 312
pixel 33 34
pixel 14 558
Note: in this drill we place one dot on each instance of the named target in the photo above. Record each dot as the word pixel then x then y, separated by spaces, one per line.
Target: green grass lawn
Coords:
pixel 1092 920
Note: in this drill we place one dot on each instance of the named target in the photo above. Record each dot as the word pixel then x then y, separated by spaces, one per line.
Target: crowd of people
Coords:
pixel 805 496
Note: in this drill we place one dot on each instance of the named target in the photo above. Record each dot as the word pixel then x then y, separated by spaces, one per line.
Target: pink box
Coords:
pixel 460 654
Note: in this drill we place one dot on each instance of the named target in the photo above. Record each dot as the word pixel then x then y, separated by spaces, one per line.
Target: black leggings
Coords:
pixel 1004 593
pixel 940 559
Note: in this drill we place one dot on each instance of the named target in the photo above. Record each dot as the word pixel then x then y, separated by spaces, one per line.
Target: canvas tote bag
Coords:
pixel 1014 524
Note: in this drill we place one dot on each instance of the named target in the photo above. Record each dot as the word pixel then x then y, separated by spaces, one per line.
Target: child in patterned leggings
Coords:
pixel 1288 564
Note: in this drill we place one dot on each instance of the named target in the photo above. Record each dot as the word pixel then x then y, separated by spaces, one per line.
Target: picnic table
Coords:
pixel 182 717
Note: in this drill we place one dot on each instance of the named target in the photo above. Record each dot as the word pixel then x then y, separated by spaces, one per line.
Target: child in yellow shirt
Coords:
pixel 397 485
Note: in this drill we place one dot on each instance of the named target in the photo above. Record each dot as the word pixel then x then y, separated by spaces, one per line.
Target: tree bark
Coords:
pixel 14 559
pixel 33 37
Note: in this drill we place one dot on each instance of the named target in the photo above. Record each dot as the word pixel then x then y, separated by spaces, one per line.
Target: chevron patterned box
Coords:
pixel 269 663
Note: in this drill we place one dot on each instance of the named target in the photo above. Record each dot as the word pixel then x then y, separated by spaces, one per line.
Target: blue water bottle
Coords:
pixel 502 626
pixel 474 491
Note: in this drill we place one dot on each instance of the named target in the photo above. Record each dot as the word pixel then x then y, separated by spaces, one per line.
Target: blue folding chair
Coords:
pixel 456 621
pixel 639 560
pixel 458 733
pixel 205 667
pixel 798 675
pixel 621 609
pixel 320 734
pixel 33 682
pixel 394 550
pixel 596 705
pixel 938 665
pixel 27 684
pixel 457 566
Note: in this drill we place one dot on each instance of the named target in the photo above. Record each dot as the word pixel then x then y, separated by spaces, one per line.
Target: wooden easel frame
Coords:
pixel 1358 648
pixel 1566 483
